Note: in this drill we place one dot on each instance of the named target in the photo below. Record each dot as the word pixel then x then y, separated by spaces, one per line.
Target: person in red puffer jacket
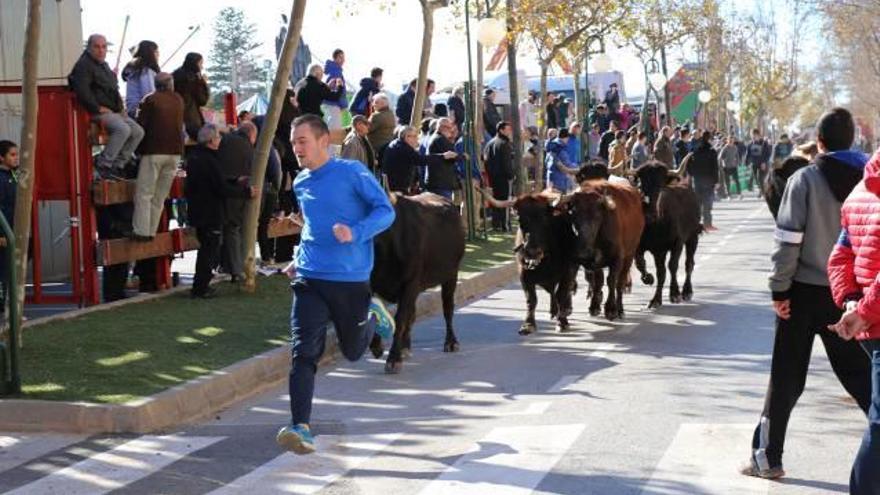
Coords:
pixel 853 270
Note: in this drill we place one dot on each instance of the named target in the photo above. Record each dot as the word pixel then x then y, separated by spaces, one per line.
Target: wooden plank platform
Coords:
pixel 114 192
pixel 115 251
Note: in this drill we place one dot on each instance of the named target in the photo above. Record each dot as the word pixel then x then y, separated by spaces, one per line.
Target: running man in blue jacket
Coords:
pixel 343 209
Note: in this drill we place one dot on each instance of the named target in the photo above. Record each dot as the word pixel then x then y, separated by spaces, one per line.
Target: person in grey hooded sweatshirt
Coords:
pixel 807 228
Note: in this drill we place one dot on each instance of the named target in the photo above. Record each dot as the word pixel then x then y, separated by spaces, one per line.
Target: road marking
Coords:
pixel 118 467
pixel 290 473
pixel 704 458
pixel 507 461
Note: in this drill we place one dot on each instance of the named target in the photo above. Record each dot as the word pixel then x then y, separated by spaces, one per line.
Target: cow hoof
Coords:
pixel 648 279
pixel 562 327
pixel 393 367
pixel 527 329
pixel 687 296
pixel 595 311
pixel 450 347
pixel 405 354
pixel 675 299
pixel 377 350
pixel 655 304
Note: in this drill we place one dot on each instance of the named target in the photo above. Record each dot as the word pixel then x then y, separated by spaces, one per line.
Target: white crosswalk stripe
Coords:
pixel 118 467
pixel 702 459
pixel 507 461
pixel 289 473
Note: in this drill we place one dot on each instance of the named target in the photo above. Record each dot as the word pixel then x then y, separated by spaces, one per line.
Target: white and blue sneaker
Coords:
pixel 384 320
pixel 297 439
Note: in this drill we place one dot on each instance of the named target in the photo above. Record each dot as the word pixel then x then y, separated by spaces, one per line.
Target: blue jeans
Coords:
pixel 865 476
pixel 706 196
pixel 123 137
pixel 317 304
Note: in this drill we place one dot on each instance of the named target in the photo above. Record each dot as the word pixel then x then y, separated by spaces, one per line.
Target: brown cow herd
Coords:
pixel 604 226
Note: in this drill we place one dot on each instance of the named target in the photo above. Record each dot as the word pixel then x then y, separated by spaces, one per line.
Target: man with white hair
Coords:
pixel 97 89
pixel 206 192
pixel 311 91
pixel 382 123
pixel 161 115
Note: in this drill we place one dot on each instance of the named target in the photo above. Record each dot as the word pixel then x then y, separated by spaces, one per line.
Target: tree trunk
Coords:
pixel 267 134
pixel 24 197
pixel 522 175
pixel 478 97
pixel 542 132
pixel 422 84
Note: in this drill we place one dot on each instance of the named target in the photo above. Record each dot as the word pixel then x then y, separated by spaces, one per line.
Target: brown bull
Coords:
pixel 607 220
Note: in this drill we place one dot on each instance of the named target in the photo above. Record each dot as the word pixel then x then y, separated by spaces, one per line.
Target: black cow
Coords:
pixel 422 249
pixel 778 178
pixel 672 224
pixel 543 249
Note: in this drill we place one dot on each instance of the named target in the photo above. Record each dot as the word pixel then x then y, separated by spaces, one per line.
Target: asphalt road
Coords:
pixel 661 403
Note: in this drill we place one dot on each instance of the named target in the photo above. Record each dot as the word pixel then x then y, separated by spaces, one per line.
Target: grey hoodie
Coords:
pixel 808 223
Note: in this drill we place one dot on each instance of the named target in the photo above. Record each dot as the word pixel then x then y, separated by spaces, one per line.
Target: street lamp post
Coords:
pixel 655 80
pixel 704 97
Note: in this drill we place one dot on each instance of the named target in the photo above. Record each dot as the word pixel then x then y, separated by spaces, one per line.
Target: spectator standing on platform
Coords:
pixel 161 116
pixel 402 160
pixel 8 189
pixel 528 111
pixel 612 99
pixel 370 86
pixel 441 175
pixel 236 154
pixel 356 145
pixel 140 75
pixel 97 90
pixel 663 151
pixel 311 91
pixel 335 104
pixel 190 83
pixel 551 113
pixel 206 192
pixel 607 139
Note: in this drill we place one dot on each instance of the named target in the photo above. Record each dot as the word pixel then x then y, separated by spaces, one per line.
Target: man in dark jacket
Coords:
pixel 663 151
pixel 206 192
pixel 161 115
pixel 703 167
pixel 758 156
pixel 405 104
pixel 441 176
pixel 607 138
pixel 370 86
pixel 311 91
pixel 807 228
pixel 97 89
pixel 612 99
pixel 8 187
pixel 491 118
pixel 236 155
pixel 551 111
pixel 499 165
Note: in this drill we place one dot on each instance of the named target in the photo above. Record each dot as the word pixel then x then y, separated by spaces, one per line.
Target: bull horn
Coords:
pixel 495 203
pixel 682 169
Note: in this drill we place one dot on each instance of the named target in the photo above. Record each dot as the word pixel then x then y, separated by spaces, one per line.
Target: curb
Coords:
pixel 204 396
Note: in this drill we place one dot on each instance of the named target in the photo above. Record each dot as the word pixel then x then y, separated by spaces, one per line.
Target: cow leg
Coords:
pixel 614 285
pixel 562 299
pixel 689 255
pixel 642 267
pixel 406 308
pixel 554 305
pixel 660 266
pixel 376 346
pixel 596 281
pixel 447 291
pixel 528 326
pixel 674 258
pixel 406 339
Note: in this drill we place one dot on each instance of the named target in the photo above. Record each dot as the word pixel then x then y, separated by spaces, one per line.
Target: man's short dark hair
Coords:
pixel 337 52
pixel 502 125
pixel 642 135
pixel 412 83
pixel 6 146
pixel 316 124
pixel 619 135
pixel 376 72
pixel 685 132
pixel 563 133
pixel 756 131
pixel 836 129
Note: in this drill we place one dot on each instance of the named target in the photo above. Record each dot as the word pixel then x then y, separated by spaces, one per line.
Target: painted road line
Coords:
pixel 289 473
pixel 705 459
pixel 118 467
pixel 507 461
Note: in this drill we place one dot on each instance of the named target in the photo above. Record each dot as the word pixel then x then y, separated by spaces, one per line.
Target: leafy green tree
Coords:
pixel 233 64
